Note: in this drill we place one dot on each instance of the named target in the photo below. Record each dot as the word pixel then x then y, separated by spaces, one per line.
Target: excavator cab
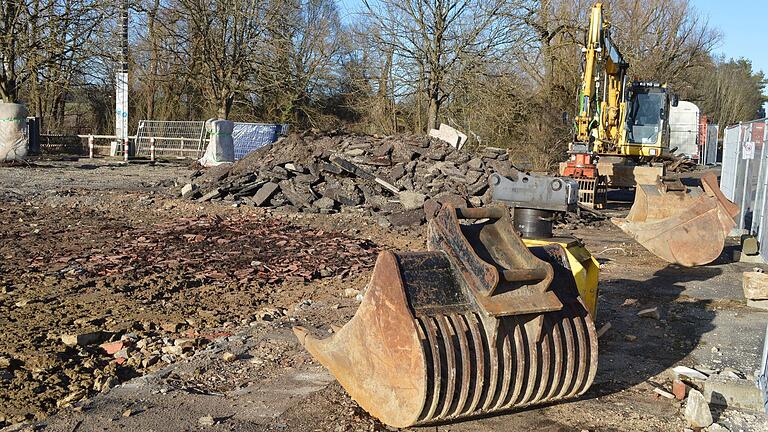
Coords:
pixel 647 121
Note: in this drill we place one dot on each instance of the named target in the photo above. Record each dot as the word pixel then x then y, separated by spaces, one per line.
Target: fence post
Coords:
pixel 90 146
pixel 152 149
pixel 125 148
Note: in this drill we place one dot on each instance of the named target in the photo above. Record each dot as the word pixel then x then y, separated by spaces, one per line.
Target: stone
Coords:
pixel 716 427
pixel 324 203
pixel 82 339
pixel 171 326
pixel 407 217
pixel 452 199
pixel 649 313
pixel 755 285
pixel 431 207
pixel 383 150
pixel 206 421
pixel 228 357
pixel 71 398
pixel 279 172
pixel 112 347
pixel 758 304
pixel 296 196
pixel 216 193
pixel 629 302
pixel 663 393
pixel 188 191
pixel 265 193
pixel 345 197
pixel 412 200
pixel 184 343
pixel 128 413
pixel 297 168
pixel 397 172
pixel 355 152
pixel 697 412
pixel 475 164
pixel 173 350
pixel 350 293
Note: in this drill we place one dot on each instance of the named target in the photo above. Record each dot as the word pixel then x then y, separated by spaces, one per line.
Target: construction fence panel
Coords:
pixel 181 139
pixel 744 178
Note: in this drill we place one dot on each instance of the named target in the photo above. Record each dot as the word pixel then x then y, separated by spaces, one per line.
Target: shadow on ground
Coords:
pixel 636 349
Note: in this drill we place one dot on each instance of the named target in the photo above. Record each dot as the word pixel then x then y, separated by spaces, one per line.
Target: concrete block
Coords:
pixel 758 304
pixel 755 286
pixel 450 135
pixel 733 393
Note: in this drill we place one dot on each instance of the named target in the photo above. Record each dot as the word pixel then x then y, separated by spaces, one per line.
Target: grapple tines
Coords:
pixel 476 325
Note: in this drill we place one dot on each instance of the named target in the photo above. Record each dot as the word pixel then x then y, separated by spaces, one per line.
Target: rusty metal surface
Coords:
pixel 426 345
pixel 378 356
pixel 685 227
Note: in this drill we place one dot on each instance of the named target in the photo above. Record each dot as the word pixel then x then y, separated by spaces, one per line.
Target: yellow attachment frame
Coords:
pixel 584 267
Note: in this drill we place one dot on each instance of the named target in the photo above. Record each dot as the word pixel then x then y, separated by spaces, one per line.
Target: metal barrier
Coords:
pixel 182 139
pixel 744 178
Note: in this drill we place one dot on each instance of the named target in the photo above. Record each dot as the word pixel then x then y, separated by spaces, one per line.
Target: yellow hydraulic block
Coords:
pixel 584 267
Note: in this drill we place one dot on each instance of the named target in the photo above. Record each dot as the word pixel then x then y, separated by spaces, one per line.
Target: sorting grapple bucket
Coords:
pixel 685 226
pixel 478 324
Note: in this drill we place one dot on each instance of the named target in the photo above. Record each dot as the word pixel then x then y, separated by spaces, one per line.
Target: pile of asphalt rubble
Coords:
pixel 402 180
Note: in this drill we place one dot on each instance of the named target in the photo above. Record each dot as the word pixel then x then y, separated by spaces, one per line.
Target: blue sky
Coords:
pixel 742 23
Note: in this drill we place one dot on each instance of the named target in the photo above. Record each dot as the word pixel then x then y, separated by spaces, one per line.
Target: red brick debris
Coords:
pixel 222 250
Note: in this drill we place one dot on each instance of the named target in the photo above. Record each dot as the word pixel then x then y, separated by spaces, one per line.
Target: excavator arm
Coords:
pixel 601 110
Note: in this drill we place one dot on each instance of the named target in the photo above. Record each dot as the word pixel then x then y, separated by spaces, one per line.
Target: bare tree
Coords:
pixel 43 40
pixel 435 42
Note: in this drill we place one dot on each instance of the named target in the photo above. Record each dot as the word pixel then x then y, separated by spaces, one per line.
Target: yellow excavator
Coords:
pixel 619 129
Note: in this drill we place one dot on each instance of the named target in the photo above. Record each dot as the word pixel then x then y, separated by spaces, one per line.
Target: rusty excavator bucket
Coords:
pixel 476 325
pixel 681 225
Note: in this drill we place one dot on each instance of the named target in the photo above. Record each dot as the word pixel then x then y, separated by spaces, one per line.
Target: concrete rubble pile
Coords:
pixel 402 180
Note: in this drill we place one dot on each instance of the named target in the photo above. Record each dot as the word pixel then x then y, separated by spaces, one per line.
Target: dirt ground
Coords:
pixel 200 298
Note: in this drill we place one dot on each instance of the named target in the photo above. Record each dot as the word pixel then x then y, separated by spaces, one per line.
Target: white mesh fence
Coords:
pixel 183 139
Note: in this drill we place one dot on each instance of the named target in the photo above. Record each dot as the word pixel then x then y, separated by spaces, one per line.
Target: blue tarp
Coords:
pixel 248 137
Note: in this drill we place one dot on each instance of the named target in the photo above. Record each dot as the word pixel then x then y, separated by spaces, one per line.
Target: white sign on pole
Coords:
pixel 121 106
pixel 748 150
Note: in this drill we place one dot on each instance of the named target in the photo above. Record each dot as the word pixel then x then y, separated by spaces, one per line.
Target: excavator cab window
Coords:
pixel 645 116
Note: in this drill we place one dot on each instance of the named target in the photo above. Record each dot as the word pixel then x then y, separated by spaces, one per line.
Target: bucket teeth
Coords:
pixel 440 335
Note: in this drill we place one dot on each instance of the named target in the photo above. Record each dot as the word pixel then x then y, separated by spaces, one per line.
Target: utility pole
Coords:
pixel 121 81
